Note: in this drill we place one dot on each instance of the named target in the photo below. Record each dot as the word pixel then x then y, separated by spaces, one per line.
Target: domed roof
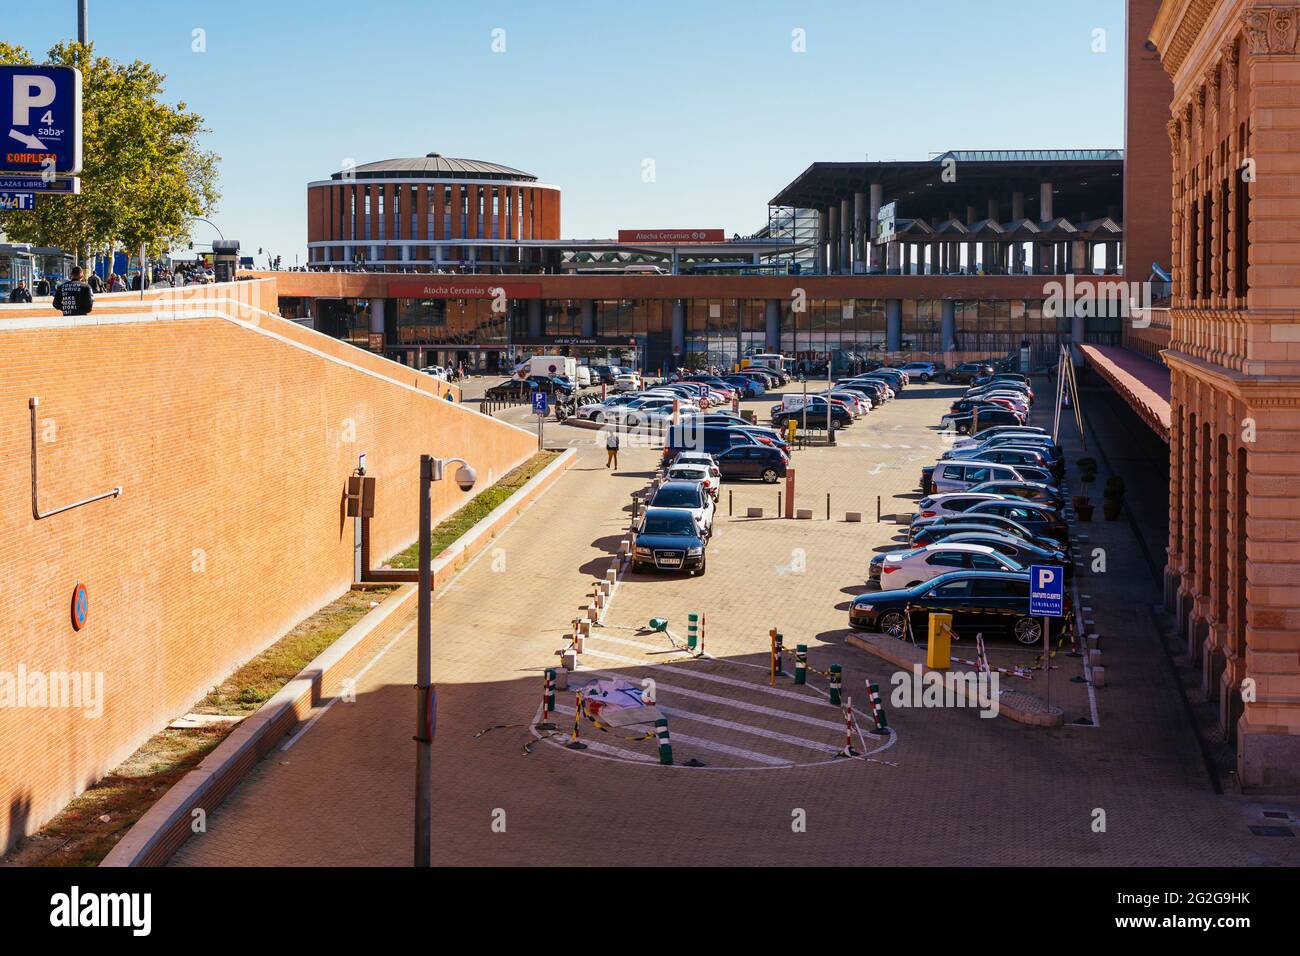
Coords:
pixel 437 166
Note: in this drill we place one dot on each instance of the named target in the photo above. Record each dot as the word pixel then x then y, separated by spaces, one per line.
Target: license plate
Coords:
pixel 670 562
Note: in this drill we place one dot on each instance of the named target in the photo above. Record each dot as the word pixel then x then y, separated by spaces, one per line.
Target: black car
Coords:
pixel 977 600
pixel 987 417
pixel 752 461
pixel 667 540
pixel 1029 490
pixel 875 391
pixel 936 529
pixel 524 387
pixel 967 371
pixel 602 375
pixel 814 415
pixel 1043 520
pixel 710 439
pixel 1021 551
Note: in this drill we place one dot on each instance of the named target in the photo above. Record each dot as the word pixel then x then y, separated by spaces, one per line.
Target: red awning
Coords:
pixel 1143 383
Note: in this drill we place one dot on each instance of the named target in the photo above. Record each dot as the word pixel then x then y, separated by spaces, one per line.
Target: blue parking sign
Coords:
pixel 539 403
pixel 40 120
pixel 1046 590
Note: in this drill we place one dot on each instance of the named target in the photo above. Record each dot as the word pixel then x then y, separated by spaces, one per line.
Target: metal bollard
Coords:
pixel 836 683
pixel 801 663
pixel 665 744
pixel 692 630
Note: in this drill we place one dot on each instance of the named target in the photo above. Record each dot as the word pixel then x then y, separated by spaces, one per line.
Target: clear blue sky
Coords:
pixel 588 89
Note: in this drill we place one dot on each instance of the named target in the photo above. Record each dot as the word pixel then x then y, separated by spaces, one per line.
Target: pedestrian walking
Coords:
pixel 20 294
pixel 74 296
pixel 611 448
pixel 43 286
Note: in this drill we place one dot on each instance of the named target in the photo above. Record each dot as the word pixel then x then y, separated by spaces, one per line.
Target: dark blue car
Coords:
pixel 667 540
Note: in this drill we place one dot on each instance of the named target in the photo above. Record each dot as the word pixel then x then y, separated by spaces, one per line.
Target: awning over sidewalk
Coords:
pixel 1143 383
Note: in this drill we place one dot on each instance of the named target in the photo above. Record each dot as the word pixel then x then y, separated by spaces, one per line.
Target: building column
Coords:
pixel 860 229
pixel 846 236
pixel 377 316
pixel 534 318
pixel 587 316
pixel 823 230
pixel 893 325
pixel 1045 202
pixel 947 324
pixel 1017 205
pixel 833 238
pixel 995 210
pixel 772 326
pixel 679 327
pixel 874 204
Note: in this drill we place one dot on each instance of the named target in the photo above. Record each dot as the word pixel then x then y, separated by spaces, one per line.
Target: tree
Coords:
pixel 144 175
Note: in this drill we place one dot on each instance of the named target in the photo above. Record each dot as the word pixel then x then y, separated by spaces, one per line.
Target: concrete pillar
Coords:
pixel 947 325
pixel 772 326
pixel 1112 257
pixel 874 204
pixel 893 325
pixel 1079 257
pixel 587 314
pixel 995 210
pixel 846 236
pixel 1018 205
pixel 534 318
pixel 970 215
pixel 860 228
pixel 377 315
pixel 823 230
pixel 679 327
pixel 1044 202
pixel 833 237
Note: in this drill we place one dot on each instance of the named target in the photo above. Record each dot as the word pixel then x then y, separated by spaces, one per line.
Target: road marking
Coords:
pixel 819 746
pixel 747 685
pixel 732 751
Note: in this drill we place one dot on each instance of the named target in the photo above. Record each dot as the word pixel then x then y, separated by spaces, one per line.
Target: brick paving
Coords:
pixel 964 790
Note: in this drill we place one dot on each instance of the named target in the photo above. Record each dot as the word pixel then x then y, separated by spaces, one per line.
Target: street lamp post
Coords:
pixel 431 470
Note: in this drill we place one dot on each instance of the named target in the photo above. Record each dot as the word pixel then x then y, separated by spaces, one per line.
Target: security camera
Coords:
pixel 465 477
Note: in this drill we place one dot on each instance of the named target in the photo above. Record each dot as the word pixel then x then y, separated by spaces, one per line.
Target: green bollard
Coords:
pixel 692 630
pixel 836 684
pixel 665 745
pixel 801 663
pixel 658 624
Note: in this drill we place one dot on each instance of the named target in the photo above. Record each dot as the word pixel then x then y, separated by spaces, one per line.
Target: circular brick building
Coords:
pixel 427 214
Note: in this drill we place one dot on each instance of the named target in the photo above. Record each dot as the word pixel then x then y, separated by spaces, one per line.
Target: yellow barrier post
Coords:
pixel 939 646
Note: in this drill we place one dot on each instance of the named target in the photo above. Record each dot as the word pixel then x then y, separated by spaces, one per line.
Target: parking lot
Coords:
pixel 755 777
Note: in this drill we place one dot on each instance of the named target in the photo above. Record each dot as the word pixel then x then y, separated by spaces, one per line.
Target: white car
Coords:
pixel 637 410
pixel 951 503
pixel 903 569
pixel 693 472
pixel 699 459
pixel 920 370
pixel 437 371
pixel 627 382
pixel 689 496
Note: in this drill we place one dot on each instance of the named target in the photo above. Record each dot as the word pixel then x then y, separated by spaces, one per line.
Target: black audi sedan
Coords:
pixel 668 540
pixel 992 603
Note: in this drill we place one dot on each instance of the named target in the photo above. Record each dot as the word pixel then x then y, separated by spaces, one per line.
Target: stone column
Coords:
pixel 833 237
pixel 947 325
pixel 875 202
pixel 534 318
pixel 860 228
pixel 893 325
pixel 823 230
pixel 1018 205
pixel 846 236
pixel 679 327
pixel 587 316
pixel 1045 202
pixel 377 316
pixel 772 326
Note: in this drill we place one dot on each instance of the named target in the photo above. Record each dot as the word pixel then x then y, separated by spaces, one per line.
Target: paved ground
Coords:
pixel 945 787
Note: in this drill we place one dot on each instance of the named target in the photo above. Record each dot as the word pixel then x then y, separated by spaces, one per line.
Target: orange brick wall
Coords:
pixel 232 445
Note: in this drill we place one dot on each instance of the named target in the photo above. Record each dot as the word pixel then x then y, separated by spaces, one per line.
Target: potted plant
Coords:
pixel 1083 506
pixel 1113 498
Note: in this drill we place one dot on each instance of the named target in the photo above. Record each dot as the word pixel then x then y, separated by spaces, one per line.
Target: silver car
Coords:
pixel 957 474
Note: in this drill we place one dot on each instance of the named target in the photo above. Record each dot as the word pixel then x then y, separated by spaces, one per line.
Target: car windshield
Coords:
pixel 677 498
pixel 687 474
pixel 668 524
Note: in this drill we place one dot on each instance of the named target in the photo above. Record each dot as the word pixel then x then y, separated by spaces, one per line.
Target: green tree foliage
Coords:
pixel 144 175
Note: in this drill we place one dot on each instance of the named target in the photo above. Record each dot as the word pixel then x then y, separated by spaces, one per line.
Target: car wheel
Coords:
pixel 834 424
pixel 893 623
pixel 925 378
pixel 1028 631
pixel 770 475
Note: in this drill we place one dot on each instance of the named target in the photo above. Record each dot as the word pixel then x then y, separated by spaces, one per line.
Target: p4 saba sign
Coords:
pixel 40 120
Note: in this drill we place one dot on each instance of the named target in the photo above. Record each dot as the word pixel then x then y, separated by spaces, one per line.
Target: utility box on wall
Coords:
pixel 361 497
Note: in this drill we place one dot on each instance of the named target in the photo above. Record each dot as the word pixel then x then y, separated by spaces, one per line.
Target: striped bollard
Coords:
pixel 548 699
pixel 692 631
pixel 836 684
pixel 801 663
pixel 574 742
pixel 665 745
pixel 780 650
pixel 702 619
pixel 877 709
pixel 848 750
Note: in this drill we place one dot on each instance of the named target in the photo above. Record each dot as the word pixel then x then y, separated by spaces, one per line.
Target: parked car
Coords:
pixel 1024 552
pixel 1002 454
pixel 929 561
pixel 923 371
pixel 1041 520
pixel 689 496
pixel 668 540
pixel 627 382
pixel 935 529
pixel 949 503
pixel 977 600
pixel 815 414
pixel 596 410
pixel 984 434
pixel 749 385
pixel 959 475
pixel 711 439
pixel 753 461
pixel 961 422
pixel 700 474
pixel 523 388
pixel 1029 490
pixel 967 371
pixel 878 392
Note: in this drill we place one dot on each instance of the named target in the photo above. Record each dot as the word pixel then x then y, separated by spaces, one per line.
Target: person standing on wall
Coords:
pixel 611 448
pixel 74 297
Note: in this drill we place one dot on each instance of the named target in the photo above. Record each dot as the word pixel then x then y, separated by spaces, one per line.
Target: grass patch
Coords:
pixel 80 836
pixel 479 507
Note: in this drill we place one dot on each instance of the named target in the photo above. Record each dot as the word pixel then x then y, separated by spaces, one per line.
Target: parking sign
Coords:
pixel 1046 590
pixel 40 120
pixel 539 403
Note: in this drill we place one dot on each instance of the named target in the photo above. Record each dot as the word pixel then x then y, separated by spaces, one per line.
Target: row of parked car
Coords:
pixel 991 507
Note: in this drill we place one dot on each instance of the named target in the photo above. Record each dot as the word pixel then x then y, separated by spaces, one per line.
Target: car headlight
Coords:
pixel 694 552
pixel 643 552
pixel 863 607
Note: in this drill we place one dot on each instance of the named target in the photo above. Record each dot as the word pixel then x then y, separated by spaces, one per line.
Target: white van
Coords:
pixel 562 365
pixel 583 376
